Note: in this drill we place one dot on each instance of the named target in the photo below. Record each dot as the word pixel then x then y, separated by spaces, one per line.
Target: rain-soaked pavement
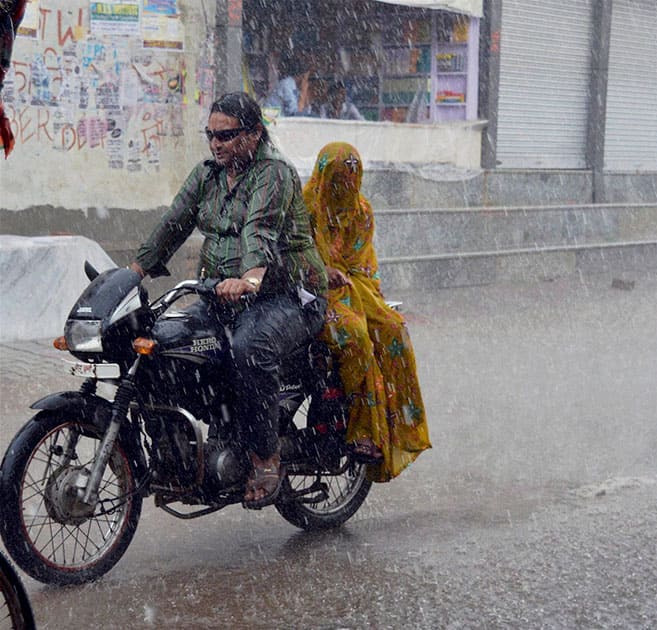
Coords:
pixel 536 508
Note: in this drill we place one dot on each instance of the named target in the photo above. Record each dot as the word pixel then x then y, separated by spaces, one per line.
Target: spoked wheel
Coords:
pixel 15 609
pixel 50 533
pixel 327 497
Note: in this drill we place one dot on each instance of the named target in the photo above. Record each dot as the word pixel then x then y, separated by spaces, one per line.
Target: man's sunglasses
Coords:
pixel 225 135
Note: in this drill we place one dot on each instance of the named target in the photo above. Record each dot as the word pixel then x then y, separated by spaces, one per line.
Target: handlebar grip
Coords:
pixel 207 287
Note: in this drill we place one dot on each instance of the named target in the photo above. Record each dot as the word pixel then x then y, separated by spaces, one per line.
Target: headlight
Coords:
pixel 83 335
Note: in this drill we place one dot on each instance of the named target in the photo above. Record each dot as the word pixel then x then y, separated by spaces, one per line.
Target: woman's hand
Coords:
pixel 337 278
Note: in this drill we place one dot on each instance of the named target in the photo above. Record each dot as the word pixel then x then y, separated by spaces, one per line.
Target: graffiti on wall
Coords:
pixel 72 87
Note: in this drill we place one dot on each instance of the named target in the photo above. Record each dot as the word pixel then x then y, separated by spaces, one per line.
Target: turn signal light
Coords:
pixel 60 343
pixel 142 345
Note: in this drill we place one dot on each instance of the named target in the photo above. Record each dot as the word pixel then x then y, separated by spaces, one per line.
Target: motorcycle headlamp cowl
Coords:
pixel 130 303
pixel 84 335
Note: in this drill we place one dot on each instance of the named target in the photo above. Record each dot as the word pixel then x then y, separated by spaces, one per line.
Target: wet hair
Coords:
pixel 241 106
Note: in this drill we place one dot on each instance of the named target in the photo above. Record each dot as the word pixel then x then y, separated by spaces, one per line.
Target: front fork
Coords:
pixel 88 494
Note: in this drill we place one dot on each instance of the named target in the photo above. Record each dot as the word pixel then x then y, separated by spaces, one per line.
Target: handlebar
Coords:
pixel 202 288
pixel 186 287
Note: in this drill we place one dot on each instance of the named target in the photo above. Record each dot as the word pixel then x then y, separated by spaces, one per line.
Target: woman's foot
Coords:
pixel 366 452
pixel 264 483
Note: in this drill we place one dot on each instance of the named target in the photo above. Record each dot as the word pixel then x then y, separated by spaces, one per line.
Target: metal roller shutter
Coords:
pixel 631 129
pixel 545 62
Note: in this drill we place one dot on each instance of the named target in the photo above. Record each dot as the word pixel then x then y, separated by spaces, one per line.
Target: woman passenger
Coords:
pixel 387 426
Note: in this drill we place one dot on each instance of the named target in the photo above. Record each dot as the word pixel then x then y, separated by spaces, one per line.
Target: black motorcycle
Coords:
pixel 73 479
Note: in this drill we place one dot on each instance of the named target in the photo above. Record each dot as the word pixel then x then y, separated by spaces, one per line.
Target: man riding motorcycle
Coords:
pixel 247 202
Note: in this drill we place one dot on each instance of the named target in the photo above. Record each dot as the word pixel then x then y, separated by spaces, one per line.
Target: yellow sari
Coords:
pixel 376 358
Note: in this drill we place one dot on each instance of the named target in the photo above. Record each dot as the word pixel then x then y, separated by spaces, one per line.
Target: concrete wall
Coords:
pixel 100 120
pixel 387 187
pixel 457 143
pixel 414 187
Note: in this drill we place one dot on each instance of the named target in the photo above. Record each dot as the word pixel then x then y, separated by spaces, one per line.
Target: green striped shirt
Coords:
pixel 261 222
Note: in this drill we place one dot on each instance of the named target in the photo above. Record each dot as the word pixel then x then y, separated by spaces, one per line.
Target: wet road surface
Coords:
pixel 536 508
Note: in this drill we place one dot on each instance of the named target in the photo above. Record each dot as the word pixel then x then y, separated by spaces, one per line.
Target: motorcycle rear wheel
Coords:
pixel 345 491
pixel 49 534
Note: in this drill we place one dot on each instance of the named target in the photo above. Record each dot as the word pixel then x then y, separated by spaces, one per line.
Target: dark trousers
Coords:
pixel 261 336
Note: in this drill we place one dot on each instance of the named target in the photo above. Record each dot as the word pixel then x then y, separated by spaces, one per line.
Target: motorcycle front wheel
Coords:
pixel 15 608
pixel 328 497
pixel 47 530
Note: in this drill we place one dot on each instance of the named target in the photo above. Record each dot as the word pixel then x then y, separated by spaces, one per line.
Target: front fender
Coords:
pixel 97 411
pixel 82 403
pixel 89 407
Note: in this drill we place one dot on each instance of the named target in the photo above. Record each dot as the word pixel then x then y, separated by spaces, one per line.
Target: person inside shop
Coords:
pixel 11 15
pixel 247 202
pixel 387 427
pixel 337 103
pixel 291 94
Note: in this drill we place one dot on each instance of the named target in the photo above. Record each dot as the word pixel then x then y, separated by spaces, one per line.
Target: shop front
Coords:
pixel 544 85
pixel 631 121
pixel 575 87
pixel 399 79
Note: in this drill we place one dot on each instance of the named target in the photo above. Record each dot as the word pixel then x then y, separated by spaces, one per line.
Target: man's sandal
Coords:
pixel 366 452
pixel 267 476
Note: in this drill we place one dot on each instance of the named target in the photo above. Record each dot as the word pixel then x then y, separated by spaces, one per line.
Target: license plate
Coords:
pixel 93 370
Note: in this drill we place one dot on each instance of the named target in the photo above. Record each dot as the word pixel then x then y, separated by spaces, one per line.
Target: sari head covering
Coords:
pixel 337 175
pixel 341 217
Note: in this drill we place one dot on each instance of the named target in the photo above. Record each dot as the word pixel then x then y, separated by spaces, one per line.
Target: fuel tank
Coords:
pixel 194 334
pixel 186 371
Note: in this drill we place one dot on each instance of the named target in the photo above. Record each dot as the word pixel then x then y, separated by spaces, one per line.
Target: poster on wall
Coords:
pixel 163 7
pixel 29 27
pixel 115 140
pixel 88 78
pixel 163 31
pixel 116 17
pixel 161 25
